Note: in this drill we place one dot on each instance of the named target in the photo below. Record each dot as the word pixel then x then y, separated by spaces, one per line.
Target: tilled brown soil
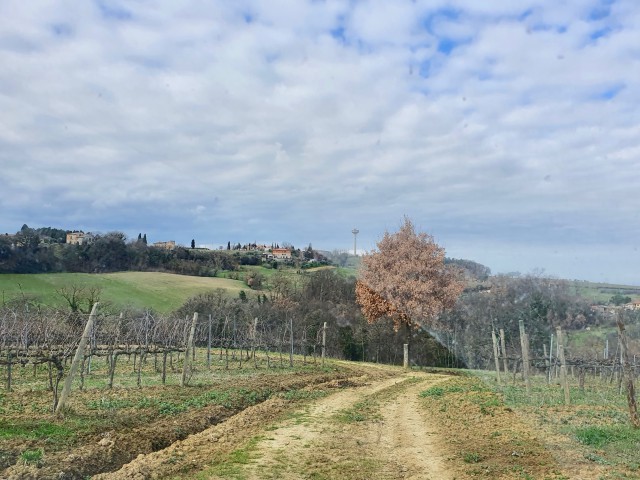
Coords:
pixel 109 450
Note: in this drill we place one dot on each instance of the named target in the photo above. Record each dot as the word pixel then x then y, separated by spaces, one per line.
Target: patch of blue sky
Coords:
pixel 524 15
pixel 447 45
pixel 446 13
pixel 62 29
pixel 112 11
pixel 152 63
pixel 545 27
pixel 602 10
pixel 248 17
pixel 338 33
pixel 601 32
pixel 609 92
pixel 424 68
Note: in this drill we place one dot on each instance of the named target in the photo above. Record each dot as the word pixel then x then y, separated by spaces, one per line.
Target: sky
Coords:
pixel 510 131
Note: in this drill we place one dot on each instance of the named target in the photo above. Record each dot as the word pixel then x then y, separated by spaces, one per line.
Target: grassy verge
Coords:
pixel 484 433
pixel 593 433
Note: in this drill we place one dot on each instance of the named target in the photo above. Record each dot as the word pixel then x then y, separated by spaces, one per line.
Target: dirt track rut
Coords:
pixel 372 428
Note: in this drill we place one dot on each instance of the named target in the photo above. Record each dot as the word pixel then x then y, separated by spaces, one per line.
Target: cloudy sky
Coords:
pixel 509 130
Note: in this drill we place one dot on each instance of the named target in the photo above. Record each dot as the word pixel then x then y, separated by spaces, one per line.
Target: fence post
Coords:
pixel 550 358
pixel 563 366
pixel 291 341
pixel 405 363
pixel 77 360
pixel 324 341
pixel 187 352
pixel 524 344
pixel 209 345
pixel 626 371
pixel 495 355
pixel 547 364
pixel 505 361
pixel 9 365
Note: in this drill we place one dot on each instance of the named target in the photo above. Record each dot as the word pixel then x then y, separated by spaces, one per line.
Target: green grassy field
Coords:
pixel 163 292
pixel 602 292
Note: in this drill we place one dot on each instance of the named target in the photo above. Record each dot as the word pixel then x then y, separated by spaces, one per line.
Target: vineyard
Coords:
pixel 157 377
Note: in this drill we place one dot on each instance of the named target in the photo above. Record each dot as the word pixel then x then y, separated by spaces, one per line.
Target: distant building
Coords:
pixel 79 238
pixel 169 245
pixel 281 253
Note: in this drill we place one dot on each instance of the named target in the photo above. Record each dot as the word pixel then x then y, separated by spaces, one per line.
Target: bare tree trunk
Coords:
pixel 112 368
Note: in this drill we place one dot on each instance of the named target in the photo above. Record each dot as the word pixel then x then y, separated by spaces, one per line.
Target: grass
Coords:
pixel 34 429
pixel 602 292
pixel 230 466
pixel 366 411
pixel 163 292
pixel 596 422
pixel 31 457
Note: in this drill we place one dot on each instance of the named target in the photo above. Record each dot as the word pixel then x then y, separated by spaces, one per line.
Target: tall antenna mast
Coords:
pixel 355 232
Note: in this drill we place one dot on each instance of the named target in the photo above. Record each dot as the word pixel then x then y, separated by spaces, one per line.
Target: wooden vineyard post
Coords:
pixel 209 345
pixel 550 358
pixel 254 335
pixel 628 373
pixel 524 344
pixel 495 355
pixel 77 360
pixel 505 361
pixel 405 363
pixel 563 366
pixel 186 370
pixel 324 341
pixel 291 341
pixel 9 360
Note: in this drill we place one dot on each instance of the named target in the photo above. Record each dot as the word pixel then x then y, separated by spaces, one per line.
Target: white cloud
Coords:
pixel 304 119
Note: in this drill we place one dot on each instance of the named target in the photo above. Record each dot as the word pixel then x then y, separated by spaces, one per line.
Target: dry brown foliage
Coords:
pixel 407 279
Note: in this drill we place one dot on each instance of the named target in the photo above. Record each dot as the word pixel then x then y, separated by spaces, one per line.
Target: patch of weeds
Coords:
pixel 146 402
pixel 433 392
pixel 438 391
pixel 34 430
pixel 599 436
pixel 108 404
pixel 296 394
pixel 367 410
pixel 596 458
pixel 31 457
pixel 471 457
pixel 231 465
pixel 168 408
pixel 41 409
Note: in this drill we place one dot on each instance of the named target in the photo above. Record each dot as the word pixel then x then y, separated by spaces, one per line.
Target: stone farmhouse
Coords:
pixel 79 238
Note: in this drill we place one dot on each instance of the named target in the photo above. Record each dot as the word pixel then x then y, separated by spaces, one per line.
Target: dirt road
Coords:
pixel 370 426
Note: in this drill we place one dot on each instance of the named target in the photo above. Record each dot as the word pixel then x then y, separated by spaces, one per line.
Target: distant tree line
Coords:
pixel 44 250
pixel 26 252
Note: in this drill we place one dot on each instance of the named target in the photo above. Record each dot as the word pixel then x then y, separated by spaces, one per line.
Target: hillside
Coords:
pixel 162 292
